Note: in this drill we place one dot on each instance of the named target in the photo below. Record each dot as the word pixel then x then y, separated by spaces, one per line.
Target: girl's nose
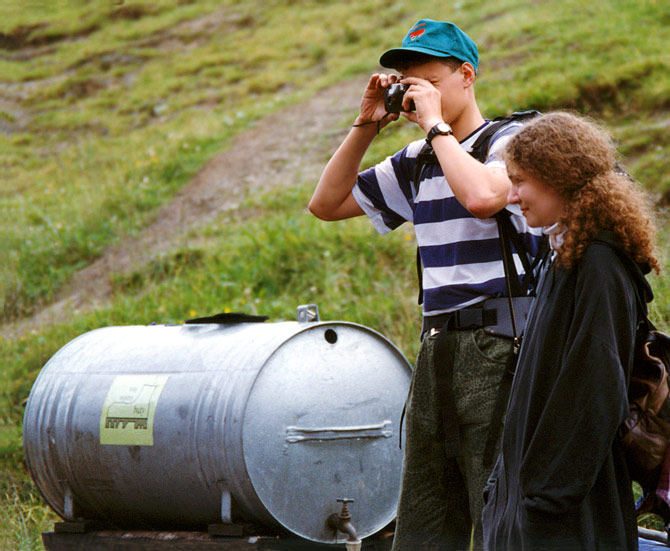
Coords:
pixel 513 195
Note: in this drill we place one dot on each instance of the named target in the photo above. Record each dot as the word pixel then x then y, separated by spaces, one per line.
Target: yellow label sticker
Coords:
pixel 128 412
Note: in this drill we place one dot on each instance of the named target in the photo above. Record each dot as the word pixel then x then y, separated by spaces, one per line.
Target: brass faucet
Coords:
pixel 342 522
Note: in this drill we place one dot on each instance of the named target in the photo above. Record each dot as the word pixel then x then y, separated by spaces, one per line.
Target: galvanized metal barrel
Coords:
pixel 189 425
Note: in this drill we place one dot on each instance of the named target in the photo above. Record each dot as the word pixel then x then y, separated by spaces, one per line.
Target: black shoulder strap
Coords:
pixel 509 235
pixel 425 157
pixel 506 232
pixel 480 149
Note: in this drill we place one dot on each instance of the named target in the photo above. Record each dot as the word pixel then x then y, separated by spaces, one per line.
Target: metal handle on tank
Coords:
pixel 303 434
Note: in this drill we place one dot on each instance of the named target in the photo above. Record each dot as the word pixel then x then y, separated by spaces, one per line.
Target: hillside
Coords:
pixel 157 159
pixel 215 191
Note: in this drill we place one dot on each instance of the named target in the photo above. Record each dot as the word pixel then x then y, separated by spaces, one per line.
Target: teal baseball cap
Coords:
pixel 436 38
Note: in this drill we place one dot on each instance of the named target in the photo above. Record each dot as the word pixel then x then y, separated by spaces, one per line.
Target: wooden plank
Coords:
pixel 67 539
pixel 225 530
pixel 77 526
pixel 119 540
pixel 107 540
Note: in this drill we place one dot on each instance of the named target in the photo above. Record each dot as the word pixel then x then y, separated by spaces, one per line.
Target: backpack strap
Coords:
pixel 480 149
pixel 508 235
pixel 425 157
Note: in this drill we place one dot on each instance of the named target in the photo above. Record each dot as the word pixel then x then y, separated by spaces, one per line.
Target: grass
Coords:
pixel 108 109
pixel 23 515
pixel 120 91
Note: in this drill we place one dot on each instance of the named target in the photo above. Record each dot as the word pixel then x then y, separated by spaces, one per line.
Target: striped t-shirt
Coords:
pixel 461 254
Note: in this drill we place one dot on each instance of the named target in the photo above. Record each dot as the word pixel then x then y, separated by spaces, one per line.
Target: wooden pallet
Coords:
pixel 69 536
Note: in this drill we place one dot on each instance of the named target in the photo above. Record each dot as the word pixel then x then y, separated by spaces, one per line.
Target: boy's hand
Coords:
pixel 428 102
pixel 372 102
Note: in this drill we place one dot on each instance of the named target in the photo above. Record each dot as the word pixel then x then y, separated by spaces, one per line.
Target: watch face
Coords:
pixel 443 127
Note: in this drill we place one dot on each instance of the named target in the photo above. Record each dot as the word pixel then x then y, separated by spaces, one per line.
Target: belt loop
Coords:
pixel 469 317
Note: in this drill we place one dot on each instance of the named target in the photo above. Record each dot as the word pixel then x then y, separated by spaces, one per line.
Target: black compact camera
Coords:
pixel 393 98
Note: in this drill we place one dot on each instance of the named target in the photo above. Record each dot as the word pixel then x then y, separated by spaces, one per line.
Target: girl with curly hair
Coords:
pixel 561 481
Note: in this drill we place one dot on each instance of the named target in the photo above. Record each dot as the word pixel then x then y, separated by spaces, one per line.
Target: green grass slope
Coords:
pixel 108 109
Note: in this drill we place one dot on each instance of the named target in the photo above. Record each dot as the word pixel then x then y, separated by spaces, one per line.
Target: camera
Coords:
pixel 393 98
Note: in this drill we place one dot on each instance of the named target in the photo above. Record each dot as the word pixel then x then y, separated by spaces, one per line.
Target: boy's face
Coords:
pixel 450 83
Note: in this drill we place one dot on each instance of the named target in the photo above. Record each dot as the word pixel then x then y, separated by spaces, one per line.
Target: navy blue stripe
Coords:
pixel 439 209
pixel 532 242
pixel 463 252
pixel 392 220
pixel 471 252
pixel 368 184
pixel 449 296
pixel 403 167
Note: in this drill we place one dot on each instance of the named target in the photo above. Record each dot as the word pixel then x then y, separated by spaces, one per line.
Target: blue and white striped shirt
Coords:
pixel 461 254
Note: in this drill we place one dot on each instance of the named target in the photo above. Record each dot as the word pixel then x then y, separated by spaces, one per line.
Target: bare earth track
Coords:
pixel 283 148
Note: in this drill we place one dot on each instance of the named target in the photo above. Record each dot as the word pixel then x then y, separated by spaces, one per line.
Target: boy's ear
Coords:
pixel 469 74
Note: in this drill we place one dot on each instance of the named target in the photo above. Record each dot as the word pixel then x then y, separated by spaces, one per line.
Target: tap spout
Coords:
pixel 342 522
pixel 345 526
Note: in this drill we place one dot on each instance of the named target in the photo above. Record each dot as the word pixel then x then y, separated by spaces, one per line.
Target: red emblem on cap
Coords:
pixel 417 31
pixel 416 34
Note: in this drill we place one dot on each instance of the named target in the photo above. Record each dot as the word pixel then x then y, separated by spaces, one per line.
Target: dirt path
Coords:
pixel 283 148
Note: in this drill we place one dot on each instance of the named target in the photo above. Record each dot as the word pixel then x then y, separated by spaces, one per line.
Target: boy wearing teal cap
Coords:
pixel 451 206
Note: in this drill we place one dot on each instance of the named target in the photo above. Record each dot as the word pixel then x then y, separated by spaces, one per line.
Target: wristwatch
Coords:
pixel 441 128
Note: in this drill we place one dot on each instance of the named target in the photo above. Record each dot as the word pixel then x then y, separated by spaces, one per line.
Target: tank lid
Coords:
pixel 321 423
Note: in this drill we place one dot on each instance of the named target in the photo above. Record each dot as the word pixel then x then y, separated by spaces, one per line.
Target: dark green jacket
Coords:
pixel 561 482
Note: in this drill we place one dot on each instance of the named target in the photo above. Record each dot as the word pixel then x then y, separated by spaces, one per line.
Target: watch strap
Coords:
pixel 435 131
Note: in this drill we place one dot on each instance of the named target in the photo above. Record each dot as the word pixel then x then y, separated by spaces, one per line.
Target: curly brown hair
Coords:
pixel 576 157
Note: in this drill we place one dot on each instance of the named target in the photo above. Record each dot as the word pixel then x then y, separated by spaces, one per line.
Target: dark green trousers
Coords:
pixel 441 498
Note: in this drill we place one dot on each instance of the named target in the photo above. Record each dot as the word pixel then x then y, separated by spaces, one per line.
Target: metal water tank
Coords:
pixel 183 426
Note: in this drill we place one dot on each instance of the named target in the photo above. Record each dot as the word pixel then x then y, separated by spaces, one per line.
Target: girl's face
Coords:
pixel 541 205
